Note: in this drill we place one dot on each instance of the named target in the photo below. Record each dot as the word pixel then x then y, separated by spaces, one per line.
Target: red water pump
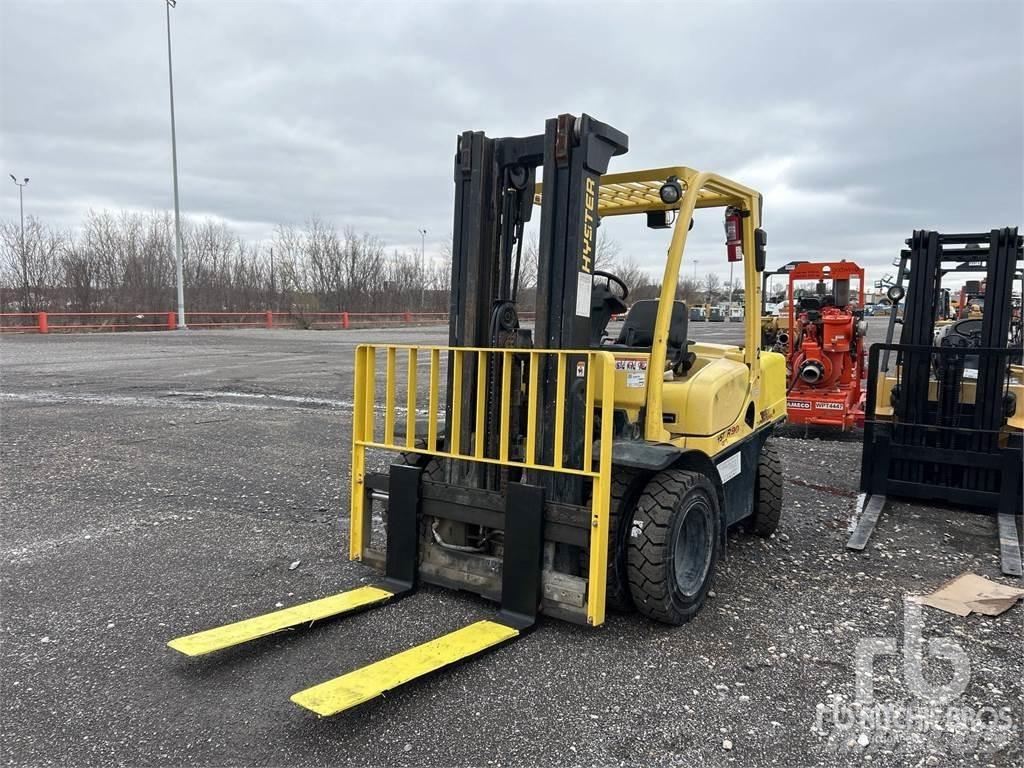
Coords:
pixel 826 347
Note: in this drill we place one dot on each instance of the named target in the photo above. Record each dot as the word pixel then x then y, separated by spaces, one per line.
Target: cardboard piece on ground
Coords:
pixel 969 593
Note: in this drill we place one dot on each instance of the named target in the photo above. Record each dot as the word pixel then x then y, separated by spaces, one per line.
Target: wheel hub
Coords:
pixel 693 548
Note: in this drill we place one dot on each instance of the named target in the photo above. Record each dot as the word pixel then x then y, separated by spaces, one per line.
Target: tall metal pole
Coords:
pixel 21 209
pixel 423 265
pixel 174 167
pixel 24 254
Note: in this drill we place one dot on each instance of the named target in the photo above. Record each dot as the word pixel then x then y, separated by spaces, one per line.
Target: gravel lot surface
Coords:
pixel 155 484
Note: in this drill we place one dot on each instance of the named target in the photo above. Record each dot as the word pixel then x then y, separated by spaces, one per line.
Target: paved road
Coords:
pixel 155 484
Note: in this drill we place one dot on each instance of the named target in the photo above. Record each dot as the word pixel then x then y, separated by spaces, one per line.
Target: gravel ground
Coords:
pixel 155 484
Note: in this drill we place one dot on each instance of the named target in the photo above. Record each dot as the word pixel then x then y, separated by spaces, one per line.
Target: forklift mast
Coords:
pixel 495 183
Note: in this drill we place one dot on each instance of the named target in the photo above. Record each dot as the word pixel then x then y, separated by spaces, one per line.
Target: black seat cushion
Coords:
pixel 638 329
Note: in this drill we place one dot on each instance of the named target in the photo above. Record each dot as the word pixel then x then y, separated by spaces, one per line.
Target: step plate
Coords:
pixel 230 635
pixel 367 683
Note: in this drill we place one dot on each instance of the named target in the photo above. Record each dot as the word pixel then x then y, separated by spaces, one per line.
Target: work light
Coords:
pixel 671 191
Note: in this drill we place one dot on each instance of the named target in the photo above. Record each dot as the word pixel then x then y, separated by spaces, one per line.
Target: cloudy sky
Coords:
pixel 859 122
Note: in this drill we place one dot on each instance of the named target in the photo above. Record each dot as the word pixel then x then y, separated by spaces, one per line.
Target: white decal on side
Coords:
pixel 630 364
pixel 729 468
pixel 636 379
pixel 584 282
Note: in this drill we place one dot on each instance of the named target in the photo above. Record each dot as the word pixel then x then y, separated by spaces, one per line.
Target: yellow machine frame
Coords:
pixel 619 194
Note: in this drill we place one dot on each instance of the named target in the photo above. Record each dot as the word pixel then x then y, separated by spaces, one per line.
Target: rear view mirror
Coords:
pixel 760 257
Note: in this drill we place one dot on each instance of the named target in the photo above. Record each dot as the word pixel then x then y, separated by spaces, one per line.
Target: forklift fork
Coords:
pixel 399 580
pixel 520 598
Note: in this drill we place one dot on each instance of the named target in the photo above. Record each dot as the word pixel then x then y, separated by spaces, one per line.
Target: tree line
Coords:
pixel 125 262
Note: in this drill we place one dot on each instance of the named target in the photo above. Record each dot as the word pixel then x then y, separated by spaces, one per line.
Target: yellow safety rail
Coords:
pixel 599 398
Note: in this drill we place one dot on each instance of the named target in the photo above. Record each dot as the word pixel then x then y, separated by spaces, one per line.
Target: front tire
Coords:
pixel 674 544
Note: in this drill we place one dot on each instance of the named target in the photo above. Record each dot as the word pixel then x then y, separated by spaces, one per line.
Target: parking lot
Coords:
pixel 159 483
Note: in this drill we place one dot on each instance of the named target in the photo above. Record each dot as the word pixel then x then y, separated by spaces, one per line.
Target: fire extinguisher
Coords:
pixel 734 233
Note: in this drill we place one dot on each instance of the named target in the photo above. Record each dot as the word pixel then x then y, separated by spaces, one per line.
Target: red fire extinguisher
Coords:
pixel 734 233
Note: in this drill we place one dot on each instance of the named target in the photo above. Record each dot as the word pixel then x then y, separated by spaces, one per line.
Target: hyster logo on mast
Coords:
pixel 583 277
pixel 589 208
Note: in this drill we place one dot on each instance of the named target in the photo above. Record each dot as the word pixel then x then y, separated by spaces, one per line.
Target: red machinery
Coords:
pixel 826 346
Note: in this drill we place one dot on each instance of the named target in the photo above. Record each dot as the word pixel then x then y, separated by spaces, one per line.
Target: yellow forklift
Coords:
pixel 551 469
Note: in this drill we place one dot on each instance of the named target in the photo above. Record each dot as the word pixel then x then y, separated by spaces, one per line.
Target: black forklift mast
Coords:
pixel 945 437
pixel 495 182
pixel 932 255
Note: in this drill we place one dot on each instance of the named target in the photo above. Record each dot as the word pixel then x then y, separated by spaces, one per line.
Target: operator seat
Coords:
pixel 638 329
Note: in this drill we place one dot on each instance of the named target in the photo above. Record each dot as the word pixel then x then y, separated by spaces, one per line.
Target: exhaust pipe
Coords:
pixel 782 337
pixel 811 372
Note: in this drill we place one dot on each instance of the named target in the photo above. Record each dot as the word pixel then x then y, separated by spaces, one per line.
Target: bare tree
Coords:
pixel 711 285
pixel 31 267
pixel 607 251
pixel 689 291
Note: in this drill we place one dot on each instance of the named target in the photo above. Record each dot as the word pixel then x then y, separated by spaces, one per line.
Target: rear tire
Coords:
pixel 767 493
pixel 673 545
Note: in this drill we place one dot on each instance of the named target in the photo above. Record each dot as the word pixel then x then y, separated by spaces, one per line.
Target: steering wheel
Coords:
pixel 613 279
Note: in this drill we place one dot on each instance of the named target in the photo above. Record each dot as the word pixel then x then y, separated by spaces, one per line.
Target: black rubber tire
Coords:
pixel 767 493
pixel 415 459
pixel 661 524
pixel 627 484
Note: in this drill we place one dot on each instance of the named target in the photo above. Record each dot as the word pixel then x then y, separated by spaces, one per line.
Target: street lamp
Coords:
pixel 174 169
pixel 423 262
pixel 24 254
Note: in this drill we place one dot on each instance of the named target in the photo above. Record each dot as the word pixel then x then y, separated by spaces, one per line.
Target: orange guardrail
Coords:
pixel 52 322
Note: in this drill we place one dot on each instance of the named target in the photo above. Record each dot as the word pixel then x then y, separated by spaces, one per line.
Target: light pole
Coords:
pixel 174 169
pixel 24 255
pixel 423 264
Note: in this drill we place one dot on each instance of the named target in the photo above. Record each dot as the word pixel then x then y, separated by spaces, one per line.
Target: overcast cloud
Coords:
pixel 859 122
